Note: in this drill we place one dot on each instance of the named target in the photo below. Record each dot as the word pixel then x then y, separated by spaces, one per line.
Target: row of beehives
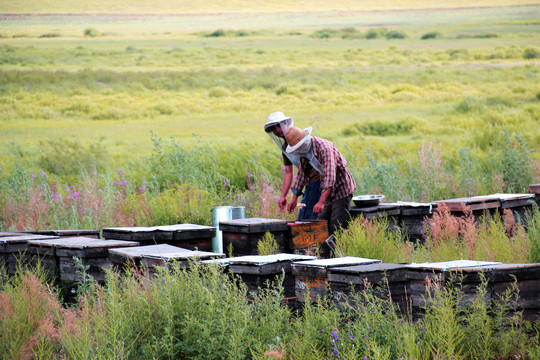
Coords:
pixel 302 275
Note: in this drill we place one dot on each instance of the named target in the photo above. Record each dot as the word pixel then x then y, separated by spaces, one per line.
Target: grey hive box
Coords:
pixel 121 257
pixel 312 275
pixel 257 270
pixel 244 234
pixel 421 275
pixel 94 253
pixel 189 236
pixel 14 250
pixel 180 256
pixel 387 280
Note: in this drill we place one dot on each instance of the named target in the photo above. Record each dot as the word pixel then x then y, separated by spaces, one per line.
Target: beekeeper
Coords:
pixel 336 181
pixel 277 126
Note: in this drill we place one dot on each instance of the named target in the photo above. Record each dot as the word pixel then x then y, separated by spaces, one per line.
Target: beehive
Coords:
pixel 312 276
pixel 243 235
pixel 257 271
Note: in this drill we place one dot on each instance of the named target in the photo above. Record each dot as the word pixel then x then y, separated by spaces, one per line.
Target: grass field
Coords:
pixel 384 83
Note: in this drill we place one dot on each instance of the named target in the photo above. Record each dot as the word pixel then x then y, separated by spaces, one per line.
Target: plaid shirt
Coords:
pixel 335 173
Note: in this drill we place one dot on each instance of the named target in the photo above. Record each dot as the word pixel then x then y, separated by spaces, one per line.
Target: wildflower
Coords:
pixel 33 176
pixel 336 353
pixel 351 336
pixel 40 187
pixel 250 175
pixel 365 358
pixel 75 195
pixel 43 173
pixel 225 182
pixel 335 335
pixel 121 173
pixel 142 189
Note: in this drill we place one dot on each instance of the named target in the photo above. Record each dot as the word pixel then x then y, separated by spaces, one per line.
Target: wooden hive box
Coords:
pixel 312 276
pixel 422 274
pixel 391 211
pixel 308 237
pixel 257 270
pixel 182 257
pixel 193 237
pixel 244 234
pixel 68 233
pixel 16 251
pixel 413 216
pixel 501 277
pixel 131 257
pixel 92 252
pixel 143 235
pixel 387 280
pixel 535 190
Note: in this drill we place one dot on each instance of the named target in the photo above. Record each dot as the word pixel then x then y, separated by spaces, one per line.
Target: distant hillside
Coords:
pixel 212 6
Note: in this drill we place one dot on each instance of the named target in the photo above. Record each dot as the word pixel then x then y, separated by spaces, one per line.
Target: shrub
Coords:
pixel 50 35
pixel 90 32
pixel 267 245
pixel 531 53
pixel 376 33
pixel 217 33
pixel 395 34
pixel 430 35
pixel 324 34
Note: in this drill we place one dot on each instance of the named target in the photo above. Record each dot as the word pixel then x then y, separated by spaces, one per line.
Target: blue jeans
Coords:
pixel 311 196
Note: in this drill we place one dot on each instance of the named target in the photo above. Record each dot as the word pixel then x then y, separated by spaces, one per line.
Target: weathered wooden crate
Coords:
pixel 308 237
pixel 143 235
pixel 424 275
pixel 535 190
pixel 131 257
pixel 244 234
pixel 68 233
pixel 519 204
pixel 59 254
pixel 389 281
pixel 189 236
pixel 413 216
pixel 311 277
pixel 502 277
pixel 194 237
pixel 16 253
pixel 258 271
pixel 182 257
pixel 391 211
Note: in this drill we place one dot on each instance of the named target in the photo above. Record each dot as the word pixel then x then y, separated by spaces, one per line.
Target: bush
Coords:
pixel 376 33
pixel 217 33
pixel 324 34
pixel 267 245
pixel 431 35
pixel 89 32
pixel 50 35
pixel 395 34
pixel 531 53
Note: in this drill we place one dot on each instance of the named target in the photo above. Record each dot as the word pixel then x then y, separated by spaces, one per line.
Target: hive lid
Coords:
pixel 268 259
pixel 451 265
pixel 25 238
pixel 138 251
pixel 341 261
pixel 82 243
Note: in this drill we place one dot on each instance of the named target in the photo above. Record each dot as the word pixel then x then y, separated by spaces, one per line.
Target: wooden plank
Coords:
pixel 265 264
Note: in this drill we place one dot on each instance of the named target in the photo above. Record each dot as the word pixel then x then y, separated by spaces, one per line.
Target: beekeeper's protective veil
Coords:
pixel 276 128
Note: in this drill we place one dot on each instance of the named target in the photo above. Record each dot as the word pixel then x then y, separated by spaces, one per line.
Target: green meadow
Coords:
pixel 447 95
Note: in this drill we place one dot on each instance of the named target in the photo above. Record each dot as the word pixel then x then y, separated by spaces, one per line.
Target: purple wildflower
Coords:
pixel 336 353
pixel 142 189
pixel 75 195
pixel 335 335
pixel 40 187
pixel 33 176
pixel 121 173
pixel 250 175
pixel 43 173
pixel 225 182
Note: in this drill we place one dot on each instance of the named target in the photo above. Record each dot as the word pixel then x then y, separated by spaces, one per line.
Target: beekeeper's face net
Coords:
pixel 278 130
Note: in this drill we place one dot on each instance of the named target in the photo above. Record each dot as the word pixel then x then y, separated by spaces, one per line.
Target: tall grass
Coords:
pixel 203 313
